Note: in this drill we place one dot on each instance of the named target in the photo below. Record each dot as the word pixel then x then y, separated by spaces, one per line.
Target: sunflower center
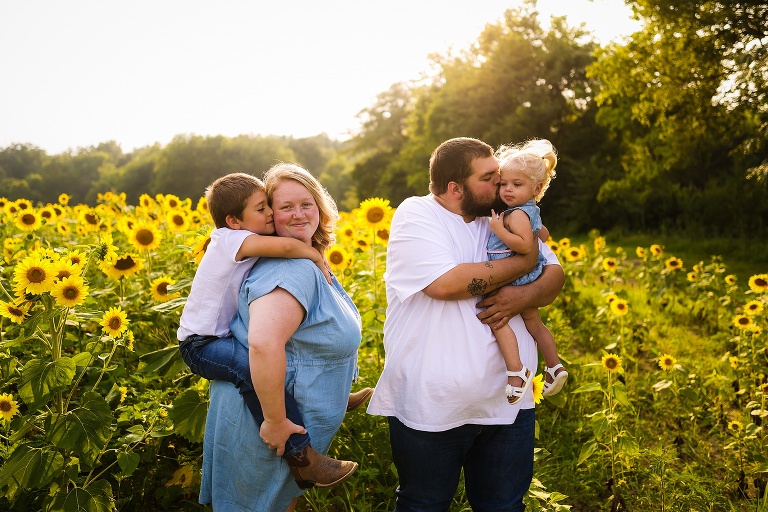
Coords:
pixel 336 258
pixel 145 237
pixel 178 220
pixel 46 214
pixel 761 282
pixel 383 234
pixel 71 293
pixel 173 203
pixel 375 215
pixel 36 275
pixel 162 288
pixel 63 274
pixel 115 323
pixel 611 364
pixel 125 263
pixel 744 321
pixel 28 219
pixel 91 219
pixel 5 405
pixel 15 311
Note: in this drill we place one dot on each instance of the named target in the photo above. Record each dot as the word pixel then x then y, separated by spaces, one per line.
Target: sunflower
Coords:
pixel 735 425
pixel 599 243
pixel 171 202
pixel 640 251
pixel 201 245
pixel 610 264
pixel 564 243
pixel 63 229
pixel 28 220
pixel 347 230
pixel 667 362
pixel 177 220
pixel 573 253
pixel 70 291
pixel 146 201
pixel 538 388
pixel 202 205
pixel 374 211
pixel 382 235
pixel 14 312
pixel 338 257
pixel 34 274
pixel 144 236
pixel 123 266
pixel 24 204
pixel 48 214
pixel 619 307
pixel 730 279
pixel 692 276
pixel 553 245
pixel 106 251
pixel 123 393
pixel 753 307
pixel 743 322
pixel 611 297
pixel 76 257
pixel 64 199
pixel 656 250
pixel 734 360
pixel 64 268
pixel 11 208
pixel 8 406
pixel 88 219
pixel 759 283
pixel 612 362
pixel 114 321
pixel 673 263
pixel 159 289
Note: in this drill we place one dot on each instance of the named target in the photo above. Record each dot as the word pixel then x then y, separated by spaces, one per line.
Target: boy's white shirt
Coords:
pixel 212 301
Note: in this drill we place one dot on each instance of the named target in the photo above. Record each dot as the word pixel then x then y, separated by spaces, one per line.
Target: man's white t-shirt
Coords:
pixel 212 301
pixel 443 367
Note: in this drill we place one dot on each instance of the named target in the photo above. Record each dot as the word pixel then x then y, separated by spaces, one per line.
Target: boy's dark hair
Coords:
pixel 452 161
pixel 229 194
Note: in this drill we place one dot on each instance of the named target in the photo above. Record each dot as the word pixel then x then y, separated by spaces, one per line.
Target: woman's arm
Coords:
pixel 512 300
pixel 274 319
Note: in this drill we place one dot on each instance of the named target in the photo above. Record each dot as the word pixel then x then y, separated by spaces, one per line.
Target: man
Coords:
pixel 442 387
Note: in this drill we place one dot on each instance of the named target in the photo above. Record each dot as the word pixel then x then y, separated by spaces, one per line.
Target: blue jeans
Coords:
pixel 226 359
pixel 497 462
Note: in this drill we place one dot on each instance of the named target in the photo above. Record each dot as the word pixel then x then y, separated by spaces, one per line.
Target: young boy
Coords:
pixel 238 205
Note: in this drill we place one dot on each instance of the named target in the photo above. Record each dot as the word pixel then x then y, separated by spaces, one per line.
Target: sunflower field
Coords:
pixel 663 409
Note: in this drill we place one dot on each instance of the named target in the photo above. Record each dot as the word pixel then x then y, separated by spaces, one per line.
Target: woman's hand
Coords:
pixel 276 433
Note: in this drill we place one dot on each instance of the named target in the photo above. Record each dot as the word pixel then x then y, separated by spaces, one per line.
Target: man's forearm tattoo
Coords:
pixel 477 287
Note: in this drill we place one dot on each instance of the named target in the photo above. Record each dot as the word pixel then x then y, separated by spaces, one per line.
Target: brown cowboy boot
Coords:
pixel 358 398
pixel 310 469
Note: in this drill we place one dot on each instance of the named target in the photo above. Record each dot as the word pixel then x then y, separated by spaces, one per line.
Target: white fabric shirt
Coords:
pixel 212 301
pixel 443 367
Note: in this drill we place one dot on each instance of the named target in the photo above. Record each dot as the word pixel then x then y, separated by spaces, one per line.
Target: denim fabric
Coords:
pixel 226 359
pixel 497 462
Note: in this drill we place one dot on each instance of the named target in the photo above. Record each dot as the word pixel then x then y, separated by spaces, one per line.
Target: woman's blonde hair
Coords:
pixel 329 213
pixel 536 158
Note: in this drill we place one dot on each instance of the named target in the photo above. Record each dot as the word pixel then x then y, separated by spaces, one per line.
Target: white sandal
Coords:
pixel 558 380
pixel 515 393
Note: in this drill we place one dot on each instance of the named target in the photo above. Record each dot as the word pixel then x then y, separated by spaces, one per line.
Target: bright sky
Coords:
pixel 81 72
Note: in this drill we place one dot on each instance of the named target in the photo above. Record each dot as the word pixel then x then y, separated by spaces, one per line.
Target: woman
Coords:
pixel 302 335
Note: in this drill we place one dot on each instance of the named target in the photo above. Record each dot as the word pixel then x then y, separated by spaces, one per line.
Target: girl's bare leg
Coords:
pixel 544 339
pixel 292 504
pixel 507 341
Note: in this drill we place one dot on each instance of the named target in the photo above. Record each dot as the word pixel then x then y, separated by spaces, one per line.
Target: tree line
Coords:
pixel 665 131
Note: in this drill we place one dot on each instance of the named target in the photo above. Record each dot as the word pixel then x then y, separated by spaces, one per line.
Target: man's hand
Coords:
pixel 501 306
pixel 275 434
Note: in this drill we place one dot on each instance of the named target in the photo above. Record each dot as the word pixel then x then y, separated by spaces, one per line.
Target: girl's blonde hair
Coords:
pixel 536 158
pixel 329 213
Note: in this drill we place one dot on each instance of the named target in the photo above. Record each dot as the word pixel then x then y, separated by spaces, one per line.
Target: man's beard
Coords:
pixel 471 205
